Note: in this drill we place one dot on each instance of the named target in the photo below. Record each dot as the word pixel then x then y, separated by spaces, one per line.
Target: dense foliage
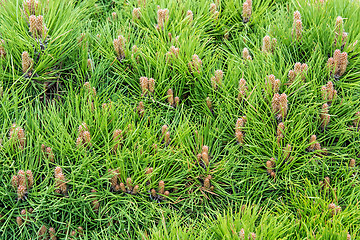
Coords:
pixel 179 119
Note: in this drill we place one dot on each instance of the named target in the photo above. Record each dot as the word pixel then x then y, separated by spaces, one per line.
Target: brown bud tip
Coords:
pixel 205 149
pixel 352 163
pixel 149 170
pixel 207 183
pixel 122 187
pixel 42 231
pixel 161 187
pixel 164 129
pixel 153 193
pixel 166 193
pixel 128 183
pixel 14 181
pixel 19 221
pixel 205 158
pixel 136 189
pixel 269 164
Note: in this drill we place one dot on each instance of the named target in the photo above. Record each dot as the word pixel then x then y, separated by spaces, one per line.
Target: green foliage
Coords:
pixel 51 100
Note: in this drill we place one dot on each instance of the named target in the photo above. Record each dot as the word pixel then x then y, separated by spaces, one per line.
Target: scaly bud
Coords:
pixel 189 16
pixel 27 63
pixel 170 97
pixel 161 187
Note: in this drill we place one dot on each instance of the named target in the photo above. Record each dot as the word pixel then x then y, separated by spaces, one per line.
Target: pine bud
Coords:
pixel 114 178
pixel 266 47
pixel 151 85
pixel 207 183
pixel 87 138
pixel 213 83
pixel 90 64
pixel 205 158
pixel 343 63
pixel 195 64
pixel 58 170
pixel 2 49
pixel 298 29
pixel 348 236
pixel 163 17
pixel 338 28
pixel 219 76
pixel 311 148
pixel 144 84
pixel 161 187
pixel 242 234
pixel 50 154
pixel 239 137
pixel 324 116
pixel 199 157
pixel 209 103
pixel 280 129
pixel 60 181
pixel 149 170
pixel 114 15
pixel 135 190
pixel 122 187
pixel 167 138
pixel 246 14
pixel 27 63
pixel 275 103
pixel 136 13
pixel 287 152
pixel 19 221
pixel 292 76
pixel 177 101
pixel 21 191
pixel 141 109
pixel 246 54
pixel 117 138
pixel 30 178
pixel 129 184
pixel 164 129
pixel 170 97
pixel 242 89
pixel 205 149
pixel 119 47
pixel 212 8
pixel 153 193
pixel 252 236
pixel 52 233
pixel 189 16
pixel 352 163
pixel 42 232
pixel 283 106
pixel 334 209
pixel 21 178
pixel 15 181
pixel 297 16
